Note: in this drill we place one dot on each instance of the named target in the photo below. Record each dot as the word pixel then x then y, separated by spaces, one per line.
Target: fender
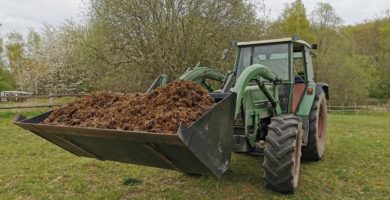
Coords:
pixel 324 87
pixel 306 104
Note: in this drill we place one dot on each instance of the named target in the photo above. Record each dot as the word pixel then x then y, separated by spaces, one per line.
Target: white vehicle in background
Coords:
pixel 14 95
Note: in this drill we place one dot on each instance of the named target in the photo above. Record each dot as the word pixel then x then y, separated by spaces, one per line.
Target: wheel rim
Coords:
pixel 321 123
pixel 297 159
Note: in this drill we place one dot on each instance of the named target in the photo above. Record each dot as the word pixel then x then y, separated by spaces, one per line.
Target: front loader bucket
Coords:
pixel 203 148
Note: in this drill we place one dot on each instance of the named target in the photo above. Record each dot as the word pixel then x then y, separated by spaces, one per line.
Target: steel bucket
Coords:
pixel 202 148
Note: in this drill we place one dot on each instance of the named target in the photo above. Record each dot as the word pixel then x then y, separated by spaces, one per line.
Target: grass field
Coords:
pixel 356 166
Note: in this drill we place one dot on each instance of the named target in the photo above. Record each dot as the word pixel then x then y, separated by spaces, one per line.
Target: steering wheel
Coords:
pixel 299 78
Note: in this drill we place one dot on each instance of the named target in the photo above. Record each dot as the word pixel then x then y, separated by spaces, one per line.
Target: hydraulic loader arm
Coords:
pixel 199 75
pixel 255 72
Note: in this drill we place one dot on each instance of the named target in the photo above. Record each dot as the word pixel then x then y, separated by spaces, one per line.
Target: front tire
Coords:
pixel 282 153
pixel 315 148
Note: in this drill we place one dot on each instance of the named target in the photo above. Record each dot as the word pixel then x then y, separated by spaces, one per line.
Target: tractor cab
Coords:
pixel 291 92
pixel 288 58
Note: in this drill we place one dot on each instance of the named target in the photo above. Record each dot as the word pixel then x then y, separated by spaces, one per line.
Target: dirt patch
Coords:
pixel 158 111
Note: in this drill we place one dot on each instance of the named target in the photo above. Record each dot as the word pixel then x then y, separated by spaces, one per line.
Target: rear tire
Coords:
pixel 282 153
pixel 315 148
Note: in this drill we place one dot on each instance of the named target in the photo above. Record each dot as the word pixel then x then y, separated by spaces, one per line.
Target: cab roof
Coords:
pixel 280 40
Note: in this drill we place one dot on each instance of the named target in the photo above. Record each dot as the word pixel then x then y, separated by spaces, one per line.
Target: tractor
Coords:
pixel 268 105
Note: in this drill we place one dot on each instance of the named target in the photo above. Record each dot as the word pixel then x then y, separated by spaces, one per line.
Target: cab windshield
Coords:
pixel 274 57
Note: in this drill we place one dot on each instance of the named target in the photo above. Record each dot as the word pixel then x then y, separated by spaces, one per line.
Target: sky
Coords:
pixel 351 11
pixel 20 15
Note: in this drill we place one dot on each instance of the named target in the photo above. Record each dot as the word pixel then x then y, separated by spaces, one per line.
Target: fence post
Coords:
pixel 50 101
pixel 355 107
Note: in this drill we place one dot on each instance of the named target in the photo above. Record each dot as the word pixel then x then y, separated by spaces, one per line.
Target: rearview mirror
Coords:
pixel 314 46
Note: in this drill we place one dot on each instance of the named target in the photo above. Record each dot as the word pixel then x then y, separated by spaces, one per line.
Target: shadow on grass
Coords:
pixel 243 169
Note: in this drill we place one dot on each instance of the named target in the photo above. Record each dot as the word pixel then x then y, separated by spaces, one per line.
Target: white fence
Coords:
pixel 20 99
pixel 360 108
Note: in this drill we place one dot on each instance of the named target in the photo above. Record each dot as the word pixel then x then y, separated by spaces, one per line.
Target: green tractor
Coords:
pixel 268 105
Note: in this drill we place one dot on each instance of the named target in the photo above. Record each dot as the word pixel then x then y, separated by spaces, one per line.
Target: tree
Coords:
pixel 371 39
pixel 383 84
pixel 7 82
pixel 293 21
pixel 31 73
pixel 147 38
pixel 57 56
pixel 325 26
pixel 15 52
pixel 1 51
pixel 352 81
pixel 51 60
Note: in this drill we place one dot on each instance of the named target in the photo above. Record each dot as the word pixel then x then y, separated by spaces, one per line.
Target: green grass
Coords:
pixel 356 166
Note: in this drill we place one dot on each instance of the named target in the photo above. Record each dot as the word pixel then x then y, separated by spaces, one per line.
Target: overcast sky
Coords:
pixel 19 15
pixel 351 11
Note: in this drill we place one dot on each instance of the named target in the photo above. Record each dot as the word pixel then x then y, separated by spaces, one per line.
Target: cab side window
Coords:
pixel 309 65
pixel 299 66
